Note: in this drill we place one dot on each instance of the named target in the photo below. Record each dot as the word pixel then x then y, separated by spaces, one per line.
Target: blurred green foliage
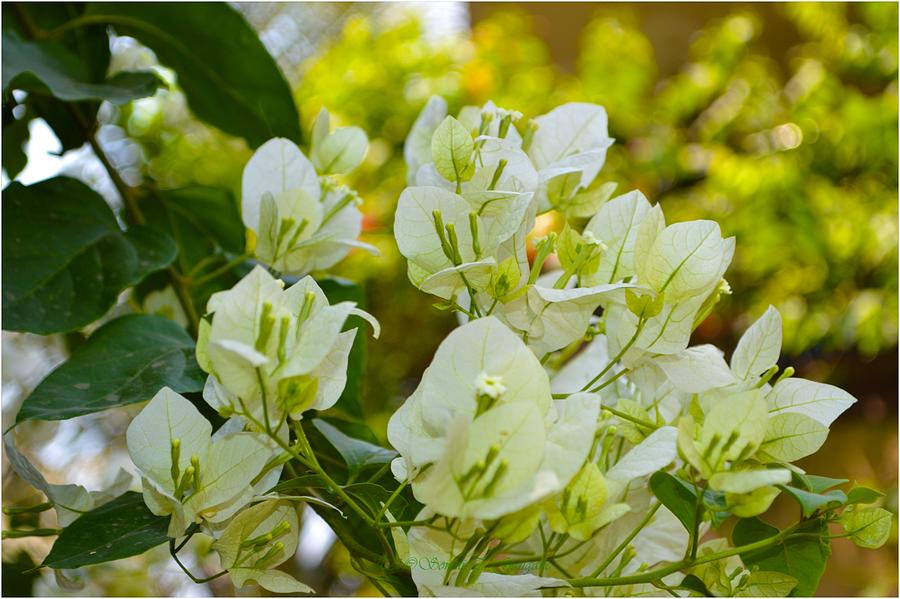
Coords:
pixel 794 151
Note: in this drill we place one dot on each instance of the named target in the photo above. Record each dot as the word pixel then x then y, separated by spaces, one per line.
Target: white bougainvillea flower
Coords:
pixel 417 148
pixel 668 331
pixel 273 350
pixel 697 369
pixel 549 318
pixel 187 474
pixel 338 151
pixel 298 227
pixel 443 235
pixel 684 260
pixel 478 437
pixel 582 508
pixel 568 149
pixel 758 349
pixel 257 540
pixel 616 224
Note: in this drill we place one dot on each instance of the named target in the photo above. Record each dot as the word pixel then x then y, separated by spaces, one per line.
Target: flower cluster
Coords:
pixel 272 353
pixel 518 430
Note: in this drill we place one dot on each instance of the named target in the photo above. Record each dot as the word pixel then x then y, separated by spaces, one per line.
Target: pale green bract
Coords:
pixel 300 221
pixel 272 351
pixel 258 539
pixel 187 474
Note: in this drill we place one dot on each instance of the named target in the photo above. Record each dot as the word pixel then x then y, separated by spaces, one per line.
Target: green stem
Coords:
pixel 174 553
pixel 221 270
pixel 621 547
pixel 36 532
pixel 625 348
pixel 631 418
pixel 659 573
pixel 387 504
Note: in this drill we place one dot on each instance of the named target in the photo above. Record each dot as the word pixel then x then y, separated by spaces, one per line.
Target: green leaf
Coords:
pixel 811 502
pixel 451 150
pixel 121 528
pixel 356 453
pixel 803 558
pixel 816 483
pixel 51 68
pixel 125 361
pixel 695 585
pixel 65 259
pixel 374 496
pixel 212 211
pixel 15 136
pixel 678 496
pixel 863 495
pixel 868 527
pixel 228 77
pixel 89 43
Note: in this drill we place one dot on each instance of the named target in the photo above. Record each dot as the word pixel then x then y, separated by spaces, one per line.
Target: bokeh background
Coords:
pixel 778 120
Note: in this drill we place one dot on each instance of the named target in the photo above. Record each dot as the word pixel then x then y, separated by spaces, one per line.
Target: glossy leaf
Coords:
pixel 228 77
pixel 50 68
pixel 811 502
pixel 678 496
pixel 119 529
pixel 356 453
pixel 863 495
pixel 803 557
pixel 125 361
pixel 212 211
pixel 65 259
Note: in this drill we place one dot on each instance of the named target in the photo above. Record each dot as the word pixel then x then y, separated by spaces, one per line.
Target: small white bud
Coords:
pixel 492 386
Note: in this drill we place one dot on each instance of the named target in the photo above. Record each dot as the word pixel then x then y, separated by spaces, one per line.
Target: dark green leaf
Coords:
pixel 51 68
pixel 863 495
pixel 307 481
pixel 19 576
pixel 801 557
pixel 212 211
pixel 15 136
pixel 678 496
pixel 374 496
pixel 342 290
pixel 90 43
pixel 811 502
pixel 228 77
pixel 356 453
pixel 65 259
pixel 59 115
pixel 125 361
pixel 118 529
pixel 695 585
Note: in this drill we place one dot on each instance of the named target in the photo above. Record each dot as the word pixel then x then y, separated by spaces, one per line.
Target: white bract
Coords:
pixel 479 438
pixel 257 540
pixel 300 221
pixel 272 351
pixel 186 473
